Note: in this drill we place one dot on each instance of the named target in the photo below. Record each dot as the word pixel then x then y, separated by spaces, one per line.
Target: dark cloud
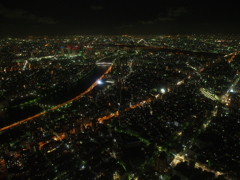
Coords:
pixel 170 17
pixel 15 14
pixel 46 20
pixel 126 26
pixel 3 10
pixel 147 22
pixel 97 7
pixel 163 19
pixel 94 17
pixel 24 15
pixel 178 11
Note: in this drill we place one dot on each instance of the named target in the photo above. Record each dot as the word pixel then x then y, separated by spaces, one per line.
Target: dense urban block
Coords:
pixel 126 107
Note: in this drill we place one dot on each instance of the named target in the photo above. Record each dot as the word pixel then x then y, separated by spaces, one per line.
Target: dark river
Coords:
pixel 14 114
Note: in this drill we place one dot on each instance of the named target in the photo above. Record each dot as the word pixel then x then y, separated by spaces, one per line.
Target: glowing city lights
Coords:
pixel 163 90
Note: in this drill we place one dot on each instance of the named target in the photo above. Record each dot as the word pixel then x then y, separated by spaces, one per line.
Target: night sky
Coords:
pixel 110 17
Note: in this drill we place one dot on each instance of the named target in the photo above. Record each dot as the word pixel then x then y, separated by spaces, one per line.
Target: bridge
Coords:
pixel 104 63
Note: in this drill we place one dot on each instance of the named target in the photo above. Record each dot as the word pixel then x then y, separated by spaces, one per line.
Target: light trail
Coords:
pixel 58 106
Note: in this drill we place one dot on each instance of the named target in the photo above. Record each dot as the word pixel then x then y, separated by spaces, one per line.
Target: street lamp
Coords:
pixel 99 82
pixel 163 91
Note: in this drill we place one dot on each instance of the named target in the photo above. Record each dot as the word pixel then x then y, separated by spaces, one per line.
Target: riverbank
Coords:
pixel 15 114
